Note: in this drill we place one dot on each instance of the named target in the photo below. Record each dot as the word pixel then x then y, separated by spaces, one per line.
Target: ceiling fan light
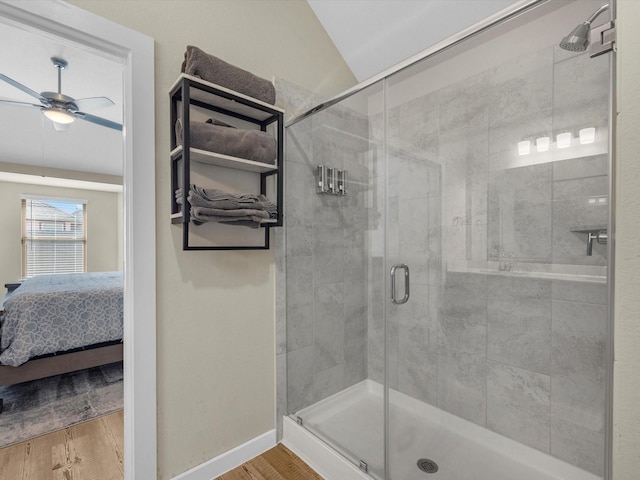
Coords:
pixel 58 116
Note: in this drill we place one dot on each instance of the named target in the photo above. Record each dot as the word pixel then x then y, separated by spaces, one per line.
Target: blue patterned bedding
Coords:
pixel 55 313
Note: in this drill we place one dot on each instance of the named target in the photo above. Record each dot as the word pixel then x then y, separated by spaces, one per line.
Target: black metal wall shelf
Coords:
pixel 188 92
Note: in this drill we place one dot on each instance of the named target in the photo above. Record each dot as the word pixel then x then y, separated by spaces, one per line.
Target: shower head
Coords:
pixel 578 39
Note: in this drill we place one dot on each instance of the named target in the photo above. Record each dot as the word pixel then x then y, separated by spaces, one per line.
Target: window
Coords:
pixel 54 238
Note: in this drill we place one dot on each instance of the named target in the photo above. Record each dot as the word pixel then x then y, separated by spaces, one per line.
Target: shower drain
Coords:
pixel 427 466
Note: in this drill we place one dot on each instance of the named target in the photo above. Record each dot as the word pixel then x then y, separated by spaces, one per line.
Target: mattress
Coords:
pixel 55 313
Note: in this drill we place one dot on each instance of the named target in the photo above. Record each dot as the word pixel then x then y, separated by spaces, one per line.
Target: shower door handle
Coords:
pixel 392 273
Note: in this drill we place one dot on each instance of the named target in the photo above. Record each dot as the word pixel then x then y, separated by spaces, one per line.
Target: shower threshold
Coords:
pixel 351 421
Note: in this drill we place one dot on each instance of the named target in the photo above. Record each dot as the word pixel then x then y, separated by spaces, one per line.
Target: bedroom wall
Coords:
pixel 103 245
pixel 215 320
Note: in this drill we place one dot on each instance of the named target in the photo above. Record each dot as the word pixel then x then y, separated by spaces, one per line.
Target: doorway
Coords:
pixel 86 30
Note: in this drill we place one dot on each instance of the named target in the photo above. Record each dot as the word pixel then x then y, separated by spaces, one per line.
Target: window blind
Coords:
pixel 53 236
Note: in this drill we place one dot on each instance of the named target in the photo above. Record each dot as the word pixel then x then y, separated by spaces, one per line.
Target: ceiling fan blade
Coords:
pixel 19 104
pixel 92 103
pixel 98 120
pixel 19 86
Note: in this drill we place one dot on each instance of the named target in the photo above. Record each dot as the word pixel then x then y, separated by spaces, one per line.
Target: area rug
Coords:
pixel 43 406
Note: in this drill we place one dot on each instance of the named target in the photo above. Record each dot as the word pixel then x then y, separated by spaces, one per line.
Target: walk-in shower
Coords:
pixel 442 315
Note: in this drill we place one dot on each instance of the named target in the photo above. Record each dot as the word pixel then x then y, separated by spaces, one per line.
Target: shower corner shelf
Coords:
pixel 587 228
pixel 191 92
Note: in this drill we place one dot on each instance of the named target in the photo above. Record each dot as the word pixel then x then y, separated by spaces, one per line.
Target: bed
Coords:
pixel 55 324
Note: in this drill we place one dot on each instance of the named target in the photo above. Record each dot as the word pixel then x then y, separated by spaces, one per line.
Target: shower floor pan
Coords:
pixel 352 422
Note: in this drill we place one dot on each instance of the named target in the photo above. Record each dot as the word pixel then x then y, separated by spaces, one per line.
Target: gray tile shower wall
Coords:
pixel 525 358
pixel 518 404
pixel 519 322
pixel 579 97
pixel 326 268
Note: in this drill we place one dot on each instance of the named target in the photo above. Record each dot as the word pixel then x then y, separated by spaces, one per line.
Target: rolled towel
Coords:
pixel 253 145
pixel 212 69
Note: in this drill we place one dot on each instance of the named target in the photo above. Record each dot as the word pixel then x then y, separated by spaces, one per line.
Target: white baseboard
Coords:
pixel 229 460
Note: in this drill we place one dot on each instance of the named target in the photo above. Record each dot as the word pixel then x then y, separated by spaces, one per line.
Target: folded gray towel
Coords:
pixel 214 198
pixel 214 70
pixel 251 218
pixel 219 212
pixel 197 201
pixel 253 145
pixel 213 194
pixel 253 222
pixel 228 202
pixel 213 205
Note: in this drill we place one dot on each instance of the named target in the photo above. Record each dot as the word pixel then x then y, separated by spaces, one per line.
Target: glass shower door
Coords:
pixel 497 183
pixel 413 273
pixel 335 324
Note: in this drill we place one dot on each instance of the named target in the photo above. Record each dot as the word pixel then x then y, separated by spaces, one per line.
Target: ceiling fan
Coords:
pixel 62 109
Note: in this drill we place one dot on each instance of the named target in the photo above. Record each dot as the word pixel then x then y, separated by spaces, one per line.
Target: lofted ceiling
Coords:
pixel 26 136
pixel 373 35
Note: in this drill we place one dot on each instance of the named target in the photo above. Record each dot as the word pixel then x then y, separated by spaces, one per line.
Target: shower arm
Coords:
pixel 597 13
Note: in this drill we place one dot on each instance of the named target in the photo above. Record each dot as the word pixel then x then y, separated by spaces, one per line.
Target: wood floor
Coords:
pixel 279 463
pixel 92 450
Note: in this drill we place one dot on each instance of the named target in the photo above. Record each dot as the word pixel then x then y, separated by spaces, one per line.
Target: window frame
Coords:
pixel 25 238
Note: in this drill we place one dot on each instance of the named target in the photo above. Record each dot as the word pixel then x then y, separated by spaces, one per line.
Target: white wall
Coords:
pixel 103 243
pixel 216 354
pixel 626 434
